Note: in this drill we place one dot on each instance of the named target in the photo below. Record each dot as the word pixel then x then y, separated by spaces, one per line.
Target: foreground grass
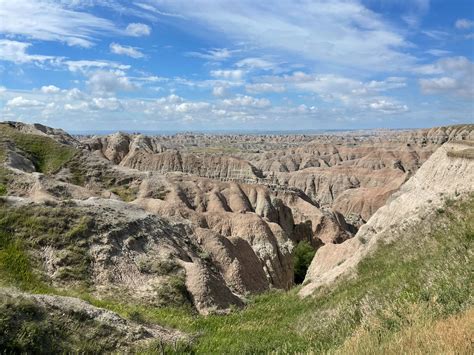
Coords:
pixel 405 293
pixel 25 230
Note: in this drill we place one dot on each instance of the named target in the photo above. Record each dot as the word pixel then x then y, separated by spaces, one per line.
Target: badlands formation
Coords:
pixel 210 220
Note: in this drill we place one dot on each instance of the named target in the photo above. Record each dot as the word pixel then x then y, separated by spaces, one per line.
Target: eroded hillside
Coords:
pixel 203 223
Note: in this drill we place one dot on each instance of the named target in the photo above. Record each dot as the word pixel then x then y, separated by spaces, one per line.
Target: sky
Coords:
pixel 183 65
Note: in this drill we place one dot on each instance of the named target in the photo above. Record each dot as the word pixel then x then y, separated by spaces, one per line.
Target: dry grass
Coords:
pixel 465 153
pixel 423 335
pixel 466 142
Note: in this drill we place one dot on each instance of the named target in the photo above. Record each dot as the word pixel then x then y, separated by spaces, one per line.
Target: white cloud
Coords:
pixel 255 63
pixel 52 21
pixel 432 86
pixel 87 65
pixel 464 24
pixel 50 89
pixel 335 86
pixel 456 77
pixel 125 50
pixel 264 87
pixel 438 52
pixel 244 100
pixel 387 106
pixel 171 99
pixel 228 74
pixel 75 94
pixel 219 91
pixel 435 34
pixel 191 106
pixel 340 32
pixel 79 106
pixel 216 54
pixel 20 102
pixel 107 82
pixel 138 29
pixel 109 104
pixel 15 51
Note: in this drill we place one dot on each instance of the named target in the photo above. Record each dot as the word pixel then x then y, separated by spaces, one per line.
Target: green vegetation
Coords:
pixel 409 286
pixel 405 294
pixel 159 267
pixel 302 256
pixel 4 173
pixel 46 154
pixel 27 327
pixel 126 193
pixel 26 229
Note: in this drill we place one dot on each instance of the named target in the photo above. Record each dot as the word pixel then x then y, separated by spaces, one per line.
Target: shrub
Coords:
pixel 302 256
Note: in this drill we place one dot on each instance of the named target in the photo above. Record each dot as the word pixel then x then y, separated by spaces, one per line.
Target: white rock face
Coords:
pixel 440 177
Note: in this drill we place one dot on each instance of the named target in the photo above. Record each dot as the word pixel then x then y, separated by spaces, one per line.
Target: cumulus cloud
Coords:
pixel 109 104
pixel 218 91
pixel 14 51
pixel 264 87
pixel 138 29
pixel 455 76
pixel 387 106
pixel 50 89
pixel 228 74
pixel 125 50
pixel 464 24
pixel 20 102
pixel 330 86
pixel 191 106
pixel 52 21
pixel 79 106
pixel 244 100
pixel 108 82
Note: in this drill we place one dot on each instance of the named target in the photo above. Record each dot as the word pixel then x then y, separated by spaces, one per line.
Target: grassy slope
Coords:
pixel 404 295
pixel 46 154
pixel 406 292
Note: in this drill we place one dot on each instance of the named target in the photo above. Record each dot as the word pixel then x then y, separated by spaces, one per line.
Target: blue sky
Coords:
pixel 237 65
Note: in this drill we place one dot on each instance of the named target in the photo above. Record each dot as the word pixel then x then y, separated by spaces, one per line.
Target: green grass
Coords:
pixel 26 327
pixel 126 193
pixel 46 154
pixel 406 287
pixel 25 230
pixel 430 270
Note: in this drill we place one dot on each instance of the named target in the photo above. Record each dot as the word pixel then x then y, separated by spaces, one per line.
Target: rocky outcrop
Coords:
pixel 217 167
pixel 442 177
pixel 146 154
pixel 116 147
pixel 38 129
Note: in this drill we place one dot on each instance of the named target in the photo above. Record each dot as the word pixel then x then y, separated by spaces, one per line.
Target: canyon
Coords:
pixel 208 221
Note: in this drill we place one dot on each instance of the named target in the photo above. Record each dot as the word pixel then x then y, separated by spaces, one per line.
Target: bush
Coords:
pixel 302 256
